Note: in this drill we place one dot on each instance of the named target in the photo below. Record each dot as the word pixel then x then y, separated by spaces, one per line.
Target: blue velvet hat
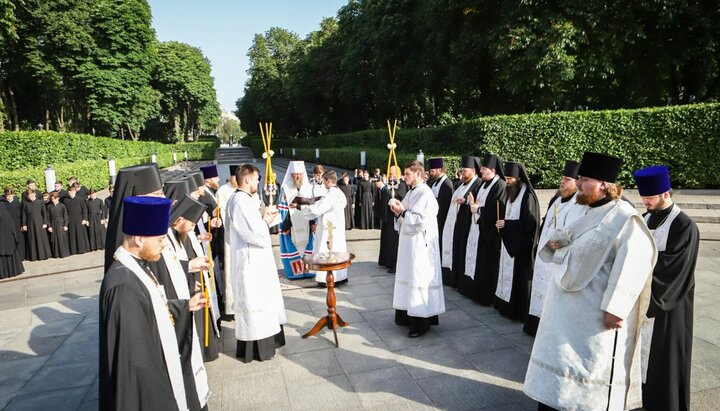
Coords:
pixel 146 216
pixel 209 171
pixel 653 180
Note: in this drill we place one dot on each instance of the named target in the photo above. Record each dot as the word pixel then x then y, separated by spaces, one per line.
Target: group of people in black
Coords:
pixel 40 225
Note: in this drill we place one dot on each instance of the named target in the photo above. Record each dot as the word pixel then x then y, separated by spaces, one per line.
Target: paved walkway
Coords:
pixel 473 360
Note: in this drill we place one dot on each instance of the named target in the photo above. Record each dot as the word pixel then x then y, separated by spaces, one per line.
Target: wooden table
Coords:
pixel 321 262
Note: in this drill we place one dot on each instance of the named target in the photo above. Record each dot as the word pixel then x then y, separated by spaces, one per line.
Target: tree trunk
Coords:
pixel 61 119
pixel 133 136
pixel 176 127
pixel 13 108
pixel 47 119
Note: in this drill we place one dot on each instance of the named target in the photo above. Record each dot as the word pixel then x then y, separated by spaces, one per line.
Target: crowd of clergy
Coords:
pixel 606 291
pixel 40 225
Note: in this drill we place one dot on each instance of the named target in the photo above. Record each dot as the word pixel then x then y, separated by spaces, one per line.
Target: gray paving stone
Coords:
pixel 388 387
pixel 25 347
pixel 705 372
pixel 363 290
pixel 705 400
pixel 89 405
pixel 349 315
pixel 63 377
pixel 262 391
pixel 46 286
pixel 60 400
pixel 321 363
pixel 322 393
pixel 522 341
pixel 455 320
pixel 425 361
pixel 707 329
pixel 354 334
pixel 8 391
pixel 373 303
pixel 365 357
pixel 509 364
pixel 20 370
pixel 463 392
pixel 73 351
pixel 474 340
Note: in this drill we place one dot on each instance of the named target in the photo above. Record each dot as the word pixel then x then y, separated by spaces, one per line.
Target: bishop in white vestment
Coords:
pixel 259 307
pixel 418 295
pixel 586 354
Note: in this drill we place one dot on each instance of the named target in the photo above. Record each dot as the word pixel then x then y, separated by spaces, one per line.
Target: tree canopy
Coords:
pixel 434 62
pixel 96 66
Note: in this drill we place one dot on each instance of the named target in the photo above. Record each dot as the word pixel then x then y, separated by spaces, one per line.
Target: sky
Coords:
pixel 224 30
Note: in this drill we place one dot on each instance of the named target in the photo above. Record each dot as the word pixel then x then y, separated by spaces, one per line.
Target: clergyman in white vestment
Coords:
pixel 418 295
pixel 586 354
pixel 259 306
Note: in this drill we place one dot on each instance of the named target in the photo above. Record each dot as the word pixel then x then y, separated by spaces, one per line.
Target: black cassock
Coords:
pixel 108 205
pixel 364 206
pixel 347 189
pixel 183 325
pixel 77 232
pixel 37 244
pixel 96 230
pixel 15 210
pixel 57 220
pixel 487 257
pixel 444 198
pixel 671 305
pixel 389 238
pixel 218 239
pixel 83 193
pixel 212 351
pixel 463 220
pixel 519 237
pixel 10 260
pixel 133 374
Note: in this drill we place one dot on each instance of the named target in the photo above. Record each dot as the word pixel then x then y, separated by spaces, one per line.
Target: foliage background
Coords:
pixel 25 155
pixel 685 138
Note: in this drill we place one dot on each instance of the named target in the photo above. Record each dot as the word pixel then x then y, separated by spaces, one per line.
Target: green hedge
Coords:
pixel 25 155
pixel 685 138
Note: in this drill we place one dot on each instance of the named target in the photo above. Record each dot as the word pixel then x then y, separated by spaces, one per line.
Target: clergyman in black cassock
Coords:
pixel 10 260
pixel 519 227
pixel 96 221
pixel 457 223
pixel 183 216
pixel 344 185
pixel 387 256
pixel 34 223
pixel 77 222
pixel 58 226
pixel 481 288
pixel 143 179
pixel 672 297
pixel 364 206
pixel 14 208
pixel 211 181
pixel 442 188
pixel 140 361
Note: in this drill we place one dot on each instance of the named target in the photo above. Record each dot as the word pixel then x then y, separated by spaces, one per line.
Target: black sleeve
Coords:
pixel 519 235
pixel 674 273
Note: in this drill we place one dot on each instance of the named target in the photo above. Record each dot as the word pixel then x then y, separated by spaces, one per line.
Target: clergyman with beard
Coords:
pixel 518 227
pixel 586 353
pixel 563 211
pixel 140 363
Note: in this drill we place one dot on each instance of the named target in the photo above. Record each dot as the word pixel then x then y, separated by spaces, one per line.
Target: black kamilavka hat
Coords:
pixel 600 167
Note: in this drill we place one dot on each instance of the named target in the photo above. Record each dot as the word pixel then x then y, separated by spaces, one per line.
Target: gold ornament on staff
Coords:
pixel 270 186
pixel 555 217
pixel 392 158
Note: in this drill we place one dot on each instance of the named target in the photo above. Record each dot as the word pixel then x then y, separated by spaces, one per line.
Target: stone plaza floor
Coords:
pixel 474 360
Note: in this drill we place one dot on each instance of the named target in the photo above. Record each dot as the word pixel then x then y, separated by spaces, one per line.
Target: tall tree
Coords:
pixel 188 100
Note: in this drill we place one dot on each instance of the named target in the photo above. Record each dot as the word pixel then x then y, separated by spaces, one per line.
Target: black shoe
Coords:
pixel 391 270
pixel 416 334
pixel 322 285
